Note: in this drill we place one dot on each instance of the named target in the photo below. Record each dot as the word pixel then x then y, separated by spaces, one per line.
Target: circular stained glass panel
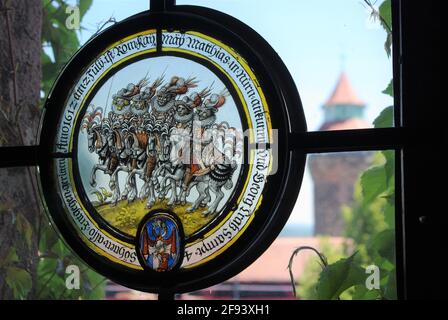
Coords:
pixel 167 158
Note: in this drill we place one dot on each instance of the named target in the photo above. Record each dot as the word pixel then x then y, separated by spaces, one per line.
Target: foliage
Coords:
pixel 17 272
pixel 58 44
pixel 370 225
pixel 54 259
pixel 338 277
pixel 385 119
pixel 19 280
pixel 369 220
pixel 312 269
pixel 384 15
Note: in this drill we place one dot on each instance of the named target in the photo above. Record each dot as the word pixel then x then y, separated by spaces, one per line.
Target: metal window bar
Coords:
pixel 418 138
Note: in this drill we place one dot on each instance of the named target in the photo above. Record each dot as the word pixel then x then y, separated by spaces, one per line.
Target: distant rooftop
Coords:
pixel 344 109
pixel 272 265
pixel 343 93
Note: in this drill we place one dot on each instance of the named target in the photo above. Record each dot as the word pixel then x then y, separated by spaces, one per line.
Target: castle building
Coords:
pixel 334 174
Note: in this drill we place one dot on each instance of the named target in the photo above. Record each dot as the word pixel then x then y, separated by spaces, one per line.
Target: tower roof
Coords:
pixel 343 93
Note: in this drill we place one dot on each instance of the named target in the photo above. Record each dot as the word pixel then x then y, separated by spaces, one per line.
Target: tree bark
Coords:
pixel 20 75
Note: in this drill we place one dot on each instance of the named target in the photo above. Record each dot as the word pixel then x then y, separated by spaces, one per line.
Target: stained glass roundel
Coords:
pixel 166 161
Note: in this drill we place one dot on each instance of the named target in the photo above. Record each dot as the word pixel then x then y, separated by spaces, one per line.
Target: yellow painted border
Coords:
pixel 114 65
pixel 246 67
pixel 268 122
pixel 89 243
pixel 81 105
pixel 249 71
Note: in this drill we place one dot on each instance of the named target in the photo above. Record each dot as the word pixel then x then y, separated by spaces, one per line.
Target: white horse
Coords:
pixel 146 171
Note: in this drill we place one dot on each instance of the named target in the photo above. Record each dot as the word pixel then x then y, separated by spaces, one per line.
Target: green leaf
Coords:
pixel 51 278
pixel 60 249
pixel 57 287
pixel 338 277
pixel 48 237
pixel 10 258
pixel 47 266
pixel 362 293
pixel 389 214
pixel 389 89
pixel 388 44
pixel 24 228
pixel 93 285
pixel 384 244
pixel 390 289
pixel 373 182
pixel 19 280
pixel 385 265
pixel 58 45
pixel 389 166
pixel 84 5
pixel 385 119
pixel 385 11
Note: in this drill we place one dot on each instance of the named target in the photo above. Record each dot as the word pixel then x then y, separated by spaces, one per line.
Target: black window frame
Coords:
pixel 418 138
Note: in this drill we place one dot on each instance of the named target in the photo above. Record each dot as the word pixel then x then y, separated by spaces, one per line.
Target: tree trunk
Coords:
pixel 20 73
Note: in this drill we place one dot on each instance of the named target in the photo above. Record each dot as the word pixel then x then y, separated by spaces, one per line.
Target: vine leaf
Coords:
pixel 385 13
pixel 384 244
pixel 389 89
pixel 338 277
pixel 60 249
pixel 362 293
pixel 388 44
pixel 24 228
pixel 19 280
pixel 84 5
pixel 10 258
pixel 323 263
pixel 48 237
pixel 390 289
pixel 373 181
pixel 58 42
pixel 47 266
pixel 385 119
pixel 389 214
pixel 389 166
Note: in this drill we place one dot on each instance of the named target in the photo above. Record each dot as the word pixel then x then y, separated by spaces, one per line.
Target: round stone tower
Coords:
pixel 334 174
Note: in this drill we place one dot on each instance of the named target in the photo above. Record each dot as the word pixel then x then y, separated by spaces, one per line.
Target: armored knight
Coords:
pixel 122 100
pixel 204 119
pixel 163 104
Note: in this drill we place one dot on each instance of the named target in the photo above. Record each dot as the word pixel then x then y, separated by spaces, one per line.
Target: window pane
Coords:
pixel 335 53
pixel 334 50
pixel 346 205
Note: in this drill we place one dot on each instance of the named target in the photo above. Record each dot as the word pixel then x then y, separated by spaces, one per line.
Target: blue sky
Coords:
pixel 315 38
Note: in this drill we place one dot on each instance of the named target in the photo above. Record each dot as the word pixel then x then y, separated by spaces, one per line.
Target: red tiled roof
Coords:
pixel 272 265
pixel 343 93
